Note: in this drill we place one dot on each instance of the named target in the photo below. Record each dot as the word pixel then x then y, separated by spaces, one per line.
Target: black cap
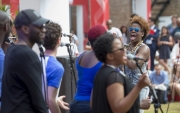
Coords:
pixel 29 16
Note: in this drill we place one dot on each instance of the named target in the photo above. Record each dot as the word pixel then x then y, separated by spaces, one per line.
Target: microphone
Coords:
pixel 65 44
pixel 132 57
pixel 66 35
pixel 177 35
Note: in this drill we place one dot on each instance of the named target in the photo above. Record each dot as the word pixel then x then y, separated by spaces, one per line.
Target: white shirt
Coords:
pixel 74 49
pixel 116 31
pixel 175 52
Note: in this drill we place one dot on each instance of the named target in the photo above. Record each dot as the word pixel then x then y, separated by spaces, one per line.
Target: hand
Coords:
pixel 145 103
pixel 161 42
pixel 61 103
pixel 154 85
pixel 143 81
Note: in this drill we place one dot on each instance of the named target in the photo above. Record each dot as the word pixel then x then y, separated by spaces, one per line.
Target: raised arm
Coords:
pixel 143 53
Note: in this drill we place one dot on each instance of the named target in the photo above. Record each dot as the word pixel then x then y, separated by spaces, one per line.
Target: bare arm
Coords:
pixel 52 92
pixel 91 98
pixel 120 103
pixel 143 53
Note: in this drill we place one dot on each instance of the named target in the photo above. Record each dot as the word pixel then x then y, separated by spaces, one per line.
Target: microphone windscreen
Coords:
pixel 177 35
pixel 62 44
pixel 130 56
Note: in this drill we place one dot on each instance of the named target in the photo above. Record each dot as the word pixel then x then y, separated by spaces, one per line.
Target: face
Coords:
pixel 124 29
pixel 37 33
pixel 118 52
pixel 109 24
pixel 135 32
pixel 164 31
pixel 151 23
pixel 158 69
pixel 174 19
pixel 178 22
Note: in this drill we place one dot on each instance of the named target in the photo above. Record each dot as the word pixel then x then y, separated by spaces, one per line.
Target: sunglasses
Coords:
pixel 135 29
pixel 121 49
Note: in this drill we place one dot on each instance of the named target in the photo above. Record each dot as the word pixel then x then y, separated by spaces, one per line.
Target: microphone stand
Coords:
pixel 156 101
pixel 71 66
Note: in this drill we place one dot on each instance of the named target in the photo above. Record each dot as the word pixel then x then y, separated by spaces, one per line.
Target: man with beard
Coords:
pixel 4 33
pixel 22 81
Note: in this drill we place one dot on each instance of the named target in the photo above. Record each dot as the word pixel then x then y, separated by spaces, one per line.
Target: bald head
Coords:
pixel 109 24
pixel 178 21
pixel 4 18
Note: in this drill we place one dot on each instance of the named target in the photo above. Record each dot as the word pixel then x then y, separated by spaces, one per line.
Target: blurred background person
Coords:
pixel 175 81
pixel 87 45
pixel 113 92
pixel 165 43
pixel 113 30
pixel 151 41
pixel 75 38
pixel 177 29
pixel 124 32
pixel 173 24
pixel 160 82
pixel 138 30
pixel 5 28
pixel 175 53
pixel 87 66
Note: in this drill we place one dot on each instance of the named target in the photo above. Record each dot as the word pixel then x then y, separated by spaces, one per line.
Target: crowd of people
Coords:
pixel 109 80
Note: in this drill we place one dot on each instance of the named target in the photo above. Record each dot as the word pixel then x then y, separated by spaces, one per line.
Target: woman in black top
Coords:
pixel 165 42
pixel 113 92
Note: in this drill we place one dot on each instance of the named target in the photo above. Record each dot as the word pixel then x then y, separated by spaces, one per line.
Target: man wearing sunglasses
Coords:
pixel 4 33
pixel 22 80
pixel 151 41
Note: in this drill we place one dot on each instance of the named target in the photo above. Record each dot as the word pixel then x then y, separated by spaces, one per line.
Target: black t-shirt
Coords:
pixel 22 82
pixel 105 77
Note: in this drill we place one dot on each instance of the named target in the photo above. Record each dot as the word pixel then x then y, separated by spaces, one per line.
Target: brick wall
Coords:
pixel 172 8
pixel 120 12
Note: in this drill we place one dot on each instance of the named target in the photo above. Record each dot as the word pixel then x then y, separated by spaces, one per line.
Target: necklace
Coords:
pixel 135 46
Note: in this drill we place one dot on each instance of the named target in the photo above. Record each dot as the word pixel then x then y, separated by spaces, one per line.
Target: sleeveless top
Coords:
pixel 104 78
pixel 85 80
pixel 135 74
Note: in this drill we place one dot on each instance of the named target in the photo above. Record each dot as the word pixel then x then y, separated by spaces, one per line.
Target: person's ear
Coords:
pixel 25 29
pixel 59 41
pixel 110 56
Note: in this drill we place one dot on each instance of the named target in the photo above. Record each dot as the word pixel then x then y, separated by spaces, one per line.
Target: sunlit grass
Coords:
pixel 173 108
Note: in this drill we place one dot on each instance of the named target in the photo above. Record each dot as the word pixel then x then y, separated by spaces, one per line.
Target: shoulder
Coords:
pixel 53 62
pixel 144 47
pixel 22 52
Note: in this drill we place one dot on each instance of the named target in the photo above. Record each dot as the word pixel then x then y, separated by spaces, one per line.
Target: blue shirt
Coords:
pixel 159 79
pixel 1 68
pixel 54 72
pixel 85 80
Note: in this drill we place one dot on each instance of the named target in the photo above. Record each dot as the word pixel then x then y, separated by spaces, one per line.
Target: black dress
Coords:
pixel 164 50
pixel 105 77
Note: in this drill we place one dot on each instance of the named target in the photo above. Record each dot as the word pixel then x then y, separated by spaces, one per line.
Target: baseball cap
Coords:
pixel 29 16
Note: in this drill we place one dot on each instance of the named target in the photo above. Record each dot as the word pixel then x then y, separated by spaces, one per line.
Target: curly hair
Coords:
pixel 53 32
pixel 143 24
pixel 94 32
pixel 103 46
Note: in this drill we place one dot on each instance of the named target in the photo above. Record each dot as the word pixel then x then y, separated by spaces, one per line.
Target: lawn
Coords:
pixel 173 108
